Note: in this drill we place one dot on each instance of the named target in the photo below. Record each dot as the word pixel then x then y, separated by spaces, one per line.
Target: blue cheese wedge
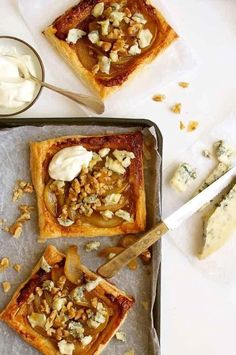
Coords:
pixel 91 285
pixel 112 199
pixel 219 225
pixel 218 171
pixel 183 177
pixel 224 152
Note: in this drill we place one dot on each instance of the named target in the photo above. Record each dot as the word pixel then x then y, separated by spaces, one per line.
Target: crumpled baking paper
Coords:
pixel 14 157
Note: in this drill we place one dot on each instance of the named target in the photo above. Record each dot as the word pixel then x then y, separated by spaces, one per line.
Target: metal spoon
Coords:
pixel 92 102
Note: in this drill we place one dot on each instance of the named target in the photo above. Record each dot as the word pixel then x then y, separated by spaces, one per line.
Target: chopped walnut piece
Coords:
pixel 176 108
pixel 159 98
pixel 79 314
pixel 61 282
pixel 4 264
pixel 192 126
pixel 183 84
pixel 106 46
pixel 181 125
pixel 6 286
pixel 17 267
pixel 206 153
pixel 16 229
pixel 20 188
pixel 94 302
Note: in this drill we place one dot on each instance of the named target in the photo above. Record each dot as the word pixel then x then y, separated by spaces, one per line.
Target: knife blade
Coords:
pixel 171 222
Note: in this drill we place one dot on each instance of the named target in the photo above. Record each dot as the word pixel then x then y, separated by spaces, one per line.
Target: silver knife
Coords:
pixel 171 222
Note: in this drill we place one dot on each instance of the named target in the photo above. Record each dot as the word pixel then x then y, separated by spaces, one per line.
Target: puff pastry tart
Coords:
pixel 89 185
pixel 105 42
pixel 57 316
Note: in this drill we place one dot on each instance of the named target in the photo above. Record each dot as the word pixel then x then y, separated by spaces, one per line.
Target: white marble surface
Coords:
pixel 198 315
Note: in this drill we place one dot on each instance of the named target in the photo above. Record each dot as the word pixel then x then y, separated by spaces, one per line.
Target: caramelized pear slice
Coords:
pixel 98 221
pixel 72 265
pixel 50 199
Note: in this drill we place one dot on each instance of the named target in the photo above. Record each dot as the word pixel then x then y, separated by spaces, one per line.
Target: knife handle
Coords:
pixel 111 268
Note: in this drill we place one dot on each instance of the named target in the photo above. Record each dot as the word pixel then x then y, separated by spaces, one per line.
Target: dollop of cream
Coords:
pixel 15 91
pixel 68 162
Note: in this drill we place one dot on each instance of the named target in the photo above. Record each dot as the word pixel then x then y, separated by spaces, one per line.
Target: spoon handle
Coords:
pixel 93 103
pixel 111 268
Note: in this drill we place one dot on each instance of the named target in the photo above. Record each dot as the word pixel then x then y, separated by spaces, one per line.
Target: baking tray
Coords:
pixel 105 121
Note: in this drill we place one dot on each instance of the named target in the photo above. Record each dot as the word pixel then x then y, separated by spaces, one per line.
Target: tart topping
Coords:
pixel 107 214
pixel 104 64
pixel 67 163
pixel 37 320
pixel 93 36
pixel 103 152
pixel 100 187
pixel 74 35
pixel 124 215
pixel 134 49
pixel 44 265
pixel 98 9
pixel 112 199
pixel 109 24
pixel 91 285
pixel 66 348
pixel 114 165
pixel 144 38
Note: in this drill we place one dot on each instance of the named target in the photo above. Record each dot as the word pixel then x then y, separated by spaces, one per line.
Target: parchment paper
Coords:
pixel 220 266
pixel 178 60
pixel 14 157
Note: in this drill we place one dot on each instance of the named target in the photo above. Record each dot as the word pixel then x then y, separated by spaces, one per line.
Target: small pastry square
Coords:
pixel 89 185
pixel 106 42
pixel 56 316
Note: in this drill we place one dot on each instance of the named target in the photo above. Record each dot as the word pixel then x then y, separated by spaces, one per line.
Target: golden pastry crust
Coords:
pixel 102 85
pixel 15 314
pixel 41 154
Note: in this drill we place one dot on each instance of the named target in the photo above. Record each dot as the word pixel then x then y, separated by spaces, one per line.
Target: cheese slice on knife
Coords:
pixel 219 225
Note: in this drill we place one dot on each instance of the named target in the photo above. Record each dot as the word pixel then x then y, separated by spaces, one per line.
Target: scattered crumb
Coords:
pixel 183 84
pixel 20 188
pixel 17 227
pixel 192 125
pixel 206 153
pixel 111 256
pixel 17 267
pixel 4 264
pixel 92 246
pixel 121 336
pixel 145 305
pixel 6 286
pixel 159 98
pixel 181 125
pixel 176 108
pixel 130 352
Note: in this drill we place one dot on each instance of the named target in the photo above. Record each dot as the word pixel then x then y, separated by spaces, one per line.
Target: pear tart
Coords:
pixel 106 41
pixel 105 197
pixel 63 308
